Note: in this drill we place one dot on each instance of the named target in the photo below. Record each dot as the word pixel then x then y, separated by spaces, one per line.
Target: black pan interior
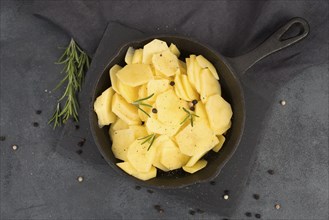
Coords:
pixel 231 91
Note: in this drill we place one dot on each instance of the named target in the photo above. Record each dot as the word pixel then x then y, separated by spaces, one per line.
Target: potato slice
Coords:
pixel 119 124
pixel 182 67
pixel 139 131
pixel 166 62
pixel 138 56
pixel 197 76
pixel 218 146
pixel 190 91
pixel 124 110
pixel 196 140
pixel 158 146
pixel 155 46
pixel 128 168
pixel 174 49
pixel 140 157
pixel 155 126
pixel 135 74
pixel 129 55
pixel 200 111
pixel 219 113
pixel 130 94
pixel 204 63
pixel 179 88
pixel 190 69
pixel 102 107
pixel 170 108
pixel 196 167
pixel 171 156
pixel 121 140
pixel 156 86
pixel 113 77
pixel 208 85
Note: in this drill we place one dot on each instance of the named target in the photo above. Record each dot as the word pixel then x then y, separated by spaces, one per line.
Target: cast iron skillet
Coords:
pixel 229 69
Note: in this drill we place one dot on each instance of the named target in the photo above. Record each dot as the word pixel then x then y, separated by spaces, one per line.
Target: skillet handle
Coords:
pixel 272 44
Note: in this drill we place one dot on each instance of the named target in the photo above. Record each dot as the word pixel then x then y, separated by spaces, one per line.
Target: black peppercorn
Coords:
pixel 271 172
pixel 256 196
pixel 192 108
pixel 257 215
pixel 172 83
pixel 38 112
pixel 194 102
pixel 35 124
pixel 154 110
pixel 248 214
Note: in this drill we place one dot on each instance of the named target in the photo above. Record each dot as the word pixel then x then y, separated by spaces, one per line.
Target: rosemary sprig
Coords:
pixel 56 118
pixel 189 116
pixel 140 102
pixel 148 139
pixel 75 62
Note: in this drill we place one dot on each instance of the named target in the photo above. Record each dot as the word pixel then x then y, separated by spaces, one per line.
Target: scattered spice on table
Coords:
pixel 212 183
pixel 191 212
pixel 255 196
pixel 271 172
pixel 2 138
pixel 158 208
pixel 79 151
pixel 138 187
pixel 258 215
pixel 15 147
pixel 150 191
pixel 248 214
pixel 38 112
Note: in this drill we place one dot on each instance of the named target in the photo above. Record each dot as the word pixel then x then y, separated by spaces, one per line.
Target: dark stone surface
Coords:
pixel 39 180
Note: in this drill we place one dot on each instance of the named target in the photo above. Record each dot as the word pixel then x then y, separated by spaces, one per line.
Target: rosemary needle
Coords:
pixel 189 116
pixel 148 139
pixel 139 103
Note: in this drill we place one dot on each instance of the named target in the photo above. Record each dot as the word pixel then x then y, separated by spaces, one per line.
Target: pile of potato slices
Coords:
pixel 163 113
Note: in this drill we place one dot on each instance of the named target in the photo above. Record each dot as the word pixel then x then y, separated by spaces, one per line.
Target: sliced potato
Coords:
pixel 197 71
pixel 124 110
pixel 196 140
pixel 154 47
pixel 204 63
pixel 166 62
pixel 113 77
pixel 196 167
pixel 128 168
pixel 129 55
pixel 102 107
pixel 156 86
pixel 190 69
pixel 130 94
pixel 200 111
pixel 218 146
pixel 179 88
pixel 174 50
pixel 208 85
pixel 219 113
pixel 138 57
pixel 155 126
pixel 121 140
pixel 139 131
pixel 135 74
pixel 119 124
pixel 182 67
pixel 141 156
pixel 190 91
pixel 158 146
pixel 171 156
pixel 170 108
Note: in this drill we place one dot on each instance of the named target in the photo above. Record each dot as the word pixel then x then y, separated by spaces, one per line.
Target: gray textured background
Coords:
pixel 39 183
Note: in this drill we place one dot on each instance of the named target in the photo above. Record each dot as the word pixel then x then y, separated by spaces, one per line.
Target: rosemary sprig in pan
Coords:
pixel 189 116
pixel 140 102
pixel 75 62
pixel 148 139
